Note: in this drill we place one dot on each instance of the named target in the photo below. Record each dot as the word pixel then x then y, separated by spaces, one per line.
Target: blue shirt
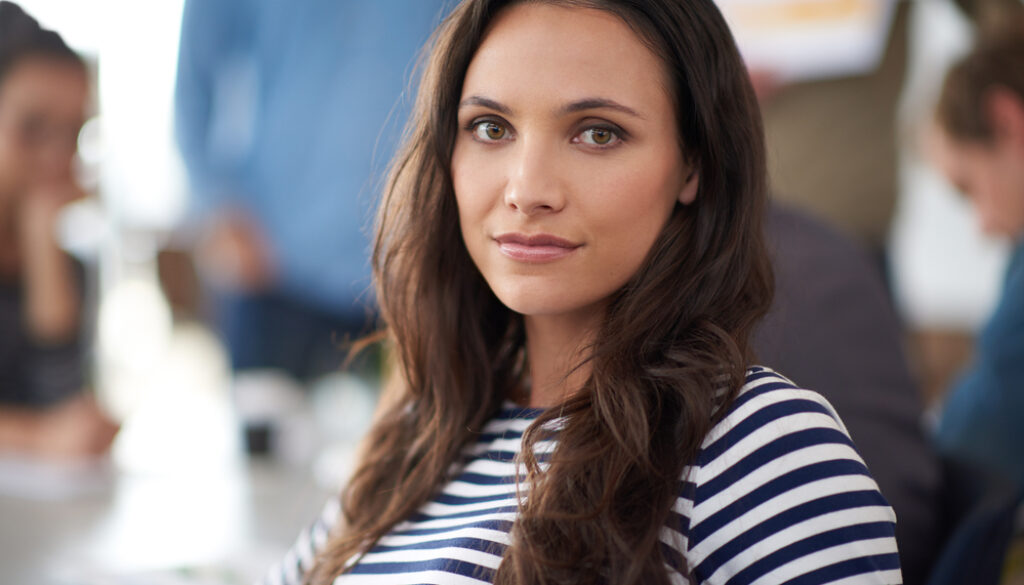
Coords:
pixel 777 493
pixel 983 418
pixel 291 112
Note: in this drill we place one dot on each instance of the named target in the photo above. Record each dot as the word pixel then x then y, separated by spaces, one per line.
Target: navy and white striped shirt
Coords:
pixel 778 494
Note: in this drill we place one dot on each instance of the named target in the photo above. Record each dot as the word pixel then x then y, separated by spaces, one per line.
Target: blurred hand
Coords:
pixel 234 255
pixel 76 429
pixel 51 298
pixel 39 208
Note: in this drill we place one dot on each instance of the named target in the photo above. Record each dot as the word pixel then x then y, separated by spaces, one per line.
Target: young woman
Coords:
pixel 44 91
pixel 980 147
pixel 569 264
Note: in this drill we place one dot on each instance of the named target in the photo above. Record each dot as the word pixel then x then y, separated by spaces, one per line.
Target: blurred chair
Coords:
pixel 831 146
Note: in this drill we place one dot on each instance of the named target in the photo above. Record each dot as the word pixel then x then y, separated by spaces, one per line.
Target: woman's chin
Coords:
pixel 547 303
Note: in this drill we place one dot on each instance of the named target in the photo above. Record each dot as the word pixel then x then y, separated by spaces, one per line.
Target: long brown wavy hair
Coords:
pixel 672 339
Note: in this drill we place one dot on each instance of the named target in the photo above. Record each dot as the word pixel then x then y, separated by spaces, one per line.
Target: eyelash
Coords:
pixel 616 138
pixel 618 135
pixel 478 124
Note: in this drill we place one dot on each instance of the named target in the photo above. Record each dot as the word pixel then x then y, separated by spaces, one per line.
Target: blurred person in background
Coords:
pixel 284 113
pixel 832 327
pixel 978 143
pixel 44 91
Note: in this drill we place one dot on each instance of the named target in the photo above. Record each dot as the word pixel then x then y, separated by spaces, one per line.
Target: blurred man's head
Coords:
pixel 979 143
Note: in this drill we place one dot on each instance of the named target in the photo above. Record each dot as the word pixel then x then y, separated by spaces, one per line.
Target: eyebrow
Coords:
pixel 598 104
pixel 477 100
pixel 571 108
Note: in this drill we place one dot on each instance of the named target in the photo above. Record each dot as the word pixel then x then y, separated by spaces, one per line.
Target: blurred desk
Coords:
pixel 216 525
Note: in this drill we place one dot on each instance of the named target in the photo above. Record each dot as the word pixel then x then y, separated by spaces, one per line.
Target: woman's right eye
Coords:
pixel 489 131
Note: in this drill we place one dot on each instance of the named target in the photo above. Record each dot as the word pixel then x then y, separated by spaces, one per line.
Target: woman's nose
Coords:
pixel 534 186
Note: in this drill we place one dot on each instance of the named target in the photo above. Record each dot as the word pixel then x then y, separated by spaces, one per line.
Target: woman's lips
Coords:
pixel 535 249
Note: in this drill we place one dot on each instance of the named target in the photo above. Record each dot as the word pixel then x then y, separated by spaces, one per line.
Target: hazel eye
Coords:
pixel 599 136
pixel 490 131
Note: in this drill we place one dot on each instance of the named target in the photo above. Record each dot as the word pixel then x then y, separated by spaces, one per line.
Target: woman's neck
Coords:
pixel 555 346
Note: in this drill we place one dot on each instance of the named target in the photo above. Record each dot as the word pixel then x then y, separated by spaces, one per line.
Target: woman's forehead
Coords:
pixel 46 82
pixel 538 53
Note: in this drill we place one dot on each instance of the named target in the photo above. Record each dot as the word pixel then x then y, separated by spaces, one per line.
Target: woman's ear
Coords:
pixel 689 190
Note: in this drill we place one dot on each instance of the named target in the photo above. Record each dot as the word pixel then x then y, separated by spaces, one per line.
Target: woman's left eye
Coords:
pixel 489 131
pixel 598 136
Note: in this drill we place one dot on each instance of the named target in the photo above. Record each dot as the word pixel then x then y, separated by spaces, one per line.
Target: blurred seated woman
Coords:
pixel 44 90
pixel 569 264
pixel 979 145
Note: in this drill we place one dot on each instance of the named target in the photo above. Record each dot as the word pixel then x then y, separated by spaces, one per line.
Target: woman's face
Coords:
pixel 567 163
pixel 42 108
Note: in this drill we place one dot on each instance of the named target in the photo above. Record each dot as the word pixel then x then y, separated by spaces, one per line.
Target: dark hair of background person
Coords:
pixel 990 16
pixel 996 62
pixel 674 336
pixel 21 36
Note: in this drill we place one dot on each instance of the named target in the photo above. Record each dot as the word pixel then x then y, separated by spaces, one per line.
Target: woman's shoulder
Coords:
pixel 778 477
pixel 771 418
pixel 767 398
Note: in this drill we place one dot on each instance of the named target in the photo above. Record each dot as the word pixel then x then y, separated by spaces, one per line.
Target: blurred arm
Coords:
pixel 73 429
pixel 52 296
pixel 212 32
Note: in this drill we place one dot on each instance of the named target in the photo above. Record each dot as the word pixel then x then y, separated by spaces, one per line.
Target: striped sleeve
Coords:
pixel 779 494
pixel 292 569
